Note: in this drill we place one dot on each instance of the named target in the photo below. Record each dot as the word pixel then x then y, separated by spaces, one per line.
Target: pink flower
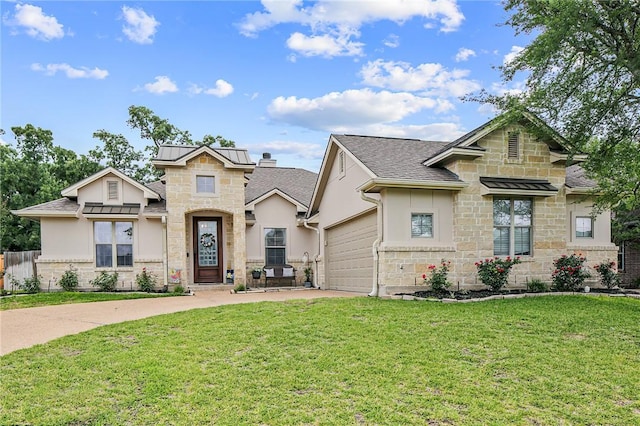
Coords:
pixel 424 276
pixel 432 267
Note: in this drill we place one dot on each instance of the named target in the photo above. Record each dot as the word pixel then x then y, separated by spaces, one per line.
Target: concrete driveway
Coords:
pixel 22 328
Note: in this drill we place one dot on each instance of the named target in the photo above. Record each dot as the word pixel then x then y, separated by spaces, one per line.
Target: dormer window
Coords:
pixel 514 145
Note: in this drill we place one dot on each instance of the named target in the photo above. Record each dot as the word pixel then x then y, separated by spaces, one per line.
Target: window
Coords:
pixel 275 243
pixel 584 227
pixel 621 257
pixel 513 145
pixel 205 184
pixel 512 220
pixel 114 243
pixel 112 190
pixel 421 225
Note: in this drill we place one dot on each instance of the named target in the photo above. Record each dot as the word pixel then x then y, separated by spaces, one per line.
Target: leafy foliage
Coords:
pixel 105 281
pixel 437 277
pixel 146 281
pixel 608 275
pixel 494 272
pixel 569 273
pixel 537 286
pixel 69 279
pixel 28 285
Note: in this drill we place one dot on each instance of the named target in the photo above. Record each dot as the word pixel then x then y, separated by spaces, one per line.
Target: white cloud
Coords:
pixel 139 27
pixel 163 84
pixel 464 54
pixel 515 51
pixel 432 78
pixel 392 41
pixel 324 45
pixel 222 89
pixel 339 111
pixel 515 88
pixel 82 72
pixel 334 24
pixel 432 132
pixel 307 151
pixel 36 23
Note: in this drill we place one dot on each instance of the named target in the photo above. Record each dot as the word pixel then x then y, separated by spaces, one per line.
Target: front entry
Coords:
pixel 207 250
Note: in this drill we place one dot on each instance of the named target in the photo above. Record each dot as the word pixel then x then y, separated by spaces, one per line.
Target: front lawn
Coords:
pixel 61 298
pixel 532 361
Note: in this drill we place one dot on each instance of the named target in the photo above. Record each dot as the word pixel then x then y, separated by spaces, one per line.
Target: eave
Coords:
pixel 37 214
pixel 454 154
pixel 562 157
pixel 517 192
pixel 377 184
pixel 580 190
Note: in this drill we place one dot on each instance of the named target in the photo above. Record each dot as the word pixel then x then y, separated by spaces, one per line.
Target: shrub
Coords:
pixel 494 273
pixel 239 287
pixel 178 289
pixel 106 281
pixel 608 276
pixel 146 281
pixel 438 277
pixel 537 286
pixel 30 285
pixel 69 280
pixel 569 273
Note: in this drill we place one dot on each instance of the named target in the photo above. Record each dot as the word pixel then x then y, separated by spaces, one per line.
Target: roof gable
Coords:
pixel 179 155
pixel 295 185
pixel 72 191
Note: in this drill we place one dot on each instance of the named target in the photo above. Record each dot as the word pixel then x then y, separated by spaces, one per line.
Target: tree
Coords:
pixel 210 140
pixel 118 153
pixel 156 129
pixel 583 79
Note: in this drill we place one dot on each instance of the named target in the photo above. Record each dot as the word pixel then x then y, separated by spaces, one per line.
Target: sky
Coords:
pixel 273 76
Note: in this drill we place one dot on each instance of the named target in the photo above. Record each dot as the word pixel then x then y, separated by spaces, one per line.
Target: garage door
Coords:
pixel 349 256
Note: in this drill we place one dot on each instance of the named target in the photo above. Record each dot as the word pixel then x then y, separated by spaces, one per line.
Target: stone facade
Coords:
pixel 183 204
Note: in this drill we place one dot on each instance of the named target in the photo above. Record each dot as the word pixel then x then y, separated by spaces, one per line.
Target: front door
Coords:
pixel 207 243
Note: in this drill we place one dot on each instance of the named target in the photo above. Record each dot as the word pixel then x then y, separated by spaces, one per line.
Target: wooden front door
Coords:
pixel 207 242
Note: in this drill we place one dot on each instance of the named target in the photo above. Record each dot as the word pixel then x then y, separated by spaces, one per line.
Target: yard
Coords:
pixel 66 297
pixel 547 360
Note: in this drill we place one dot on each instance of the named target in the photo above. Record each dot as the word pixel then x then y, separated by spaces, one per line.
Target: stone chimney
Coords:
pixel 266 160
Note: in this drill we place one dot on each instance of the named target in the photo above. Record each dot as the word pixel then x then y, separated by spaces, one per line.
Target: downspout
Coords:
pixel 376 243
pixel 165 262
pixel 305 222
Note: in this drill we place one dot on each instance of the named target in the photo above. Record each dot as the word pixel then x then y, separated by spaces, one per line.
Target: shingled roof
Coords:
pixel 296 183
pixel 577 178
pixel 394 158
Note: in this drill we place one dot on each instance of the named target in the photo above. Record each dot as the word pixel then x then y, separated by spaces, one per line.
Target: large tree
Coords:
pixel 582 73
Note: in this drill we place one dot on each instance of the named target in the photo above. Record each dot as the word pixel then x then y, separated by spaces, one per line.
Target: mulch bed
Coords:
pixel 480 294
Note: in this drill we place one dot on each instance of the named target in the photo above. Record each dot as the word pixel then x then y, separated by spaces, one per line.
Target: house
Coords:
pixel 214 212
pixel 380 211
pixel 387 208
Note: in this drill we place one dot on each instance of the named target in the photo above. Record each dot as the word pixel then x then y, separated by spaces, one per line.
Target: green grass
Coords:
pixel 62 298
pixel 533 361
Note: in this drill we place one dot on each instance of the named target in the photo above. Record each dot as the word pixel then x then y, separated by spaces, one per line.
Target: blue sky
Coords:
pixel 277 76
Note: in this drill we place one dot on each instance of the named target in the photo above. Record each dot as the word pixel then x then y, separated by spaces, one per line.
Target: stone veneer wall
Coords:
pixel 401 268
pixel 228 202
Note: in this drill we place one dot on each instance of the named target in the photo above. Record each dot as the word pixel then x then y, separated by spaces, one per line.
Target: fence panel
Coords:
pixel 19 265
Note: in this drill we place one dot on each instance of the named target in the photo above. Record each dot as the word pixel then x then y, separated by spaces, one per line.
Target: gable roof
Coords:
pixel 295 183
pixel 72 191
pixel 178 155
pixel 62 207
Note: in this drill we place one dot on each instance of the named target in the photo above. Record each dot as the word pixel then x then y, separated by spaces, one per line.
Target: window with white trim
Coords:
pixel 275 246
pixel 205 184
pixel 512 227
pixel 584 227
pixel 113 244
pixel 421 225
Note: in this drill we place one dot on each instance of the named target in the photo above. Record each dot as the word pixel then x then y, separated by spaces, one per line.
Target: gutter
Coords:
pixel 376 243
pixel 315 258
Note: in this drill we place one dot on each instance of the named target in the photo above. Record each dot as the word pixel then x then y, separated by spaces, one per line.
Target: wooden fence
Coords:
pixel 18 266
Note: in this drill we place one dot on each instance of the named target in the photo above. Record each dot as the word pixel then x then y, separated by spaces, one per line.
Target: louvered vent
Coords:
pixel 113 190
pixel 514 139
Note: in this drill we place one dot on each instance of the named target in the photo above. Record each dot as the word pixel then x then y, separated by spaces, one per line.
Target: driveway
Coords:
pixel 22 328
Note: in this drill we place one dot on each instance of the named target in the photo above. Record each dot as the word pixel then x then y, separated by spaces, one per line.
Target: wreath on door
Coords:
pixel 207 240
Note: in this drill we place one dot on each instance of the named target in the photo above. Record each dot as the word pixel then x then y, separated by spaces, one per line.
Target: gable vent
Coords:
pixel 112 187
pixel 514 145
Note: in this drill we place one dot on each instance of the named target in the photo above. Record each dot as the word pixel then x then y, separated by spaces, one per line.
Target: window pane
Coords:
pixel 500 241
pixel 125 254
pixel 124 232
pixel 275 237
pixel 584 227
pixel 275 256
pixel 103 255
pixel 205 184
pixel 422 225
pixel 102 232
pixel 522 212
pixel 522 241
pixel 501 212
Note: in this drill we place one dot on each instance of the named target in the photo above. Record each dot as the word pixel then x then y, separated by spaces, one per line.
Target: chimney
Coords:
pixel 266 160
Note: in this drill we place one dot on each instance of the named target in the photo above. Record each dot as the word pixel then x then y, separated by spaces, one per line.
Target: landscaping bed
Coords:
pixel 486 293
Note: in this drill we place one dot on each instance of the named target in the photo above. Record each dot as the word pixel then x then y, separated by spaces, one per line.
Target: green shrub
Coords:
pixel 438 277
pixel 69 280
pixel 569 273
pixel 146 281
pixel 106 281
pixel 537 286
pixel 239 287
pixel 608 276
pixel 494 273
pixel 178 289
pixel 30 285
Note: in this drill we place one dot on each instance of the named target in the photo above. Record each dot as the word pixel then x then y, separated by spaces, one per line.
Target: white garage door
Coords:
pixel 349 256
